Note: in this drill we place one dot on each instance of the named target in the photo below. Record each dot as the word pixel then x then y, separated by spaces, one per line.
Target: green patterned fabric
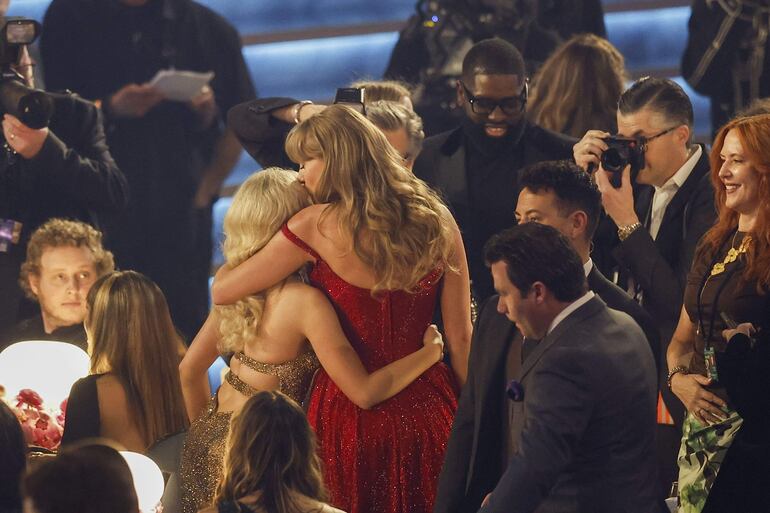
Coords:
pixel 700 456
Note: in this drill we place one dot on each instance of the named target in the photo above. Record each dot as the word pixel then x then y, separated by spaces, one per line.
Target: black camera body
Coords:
pixel 353 97
pixel 620 152
pixel 32 107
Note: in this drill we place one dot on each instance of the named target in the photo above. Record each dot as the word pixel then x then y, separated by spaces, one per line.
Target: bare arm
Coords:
pixel 321 326
pixel 277 260
pixel 690 388
pixel 456 308
pixel 193 370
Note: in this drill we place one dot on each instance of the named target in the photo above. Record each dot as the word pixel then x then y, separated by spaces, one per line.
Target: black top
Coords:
pixel 82 419
pixel 73 176
pixel 166 152
pixel 725 292
pixel 32 329
pixel 479 182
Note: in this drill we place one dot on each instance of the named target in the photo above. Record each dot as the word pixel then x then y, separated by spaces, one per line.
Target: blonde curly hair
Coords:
pixel 395 223
pixel 264 202
pixel 56 233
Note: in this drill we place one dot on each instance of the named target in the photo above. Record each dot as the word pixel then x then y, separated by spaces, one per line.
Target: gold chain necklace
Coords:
pixel 731 256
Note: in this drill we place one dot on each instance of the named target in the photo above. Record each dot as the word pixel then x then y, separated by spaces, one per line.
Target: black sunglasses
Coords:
pixel 509 105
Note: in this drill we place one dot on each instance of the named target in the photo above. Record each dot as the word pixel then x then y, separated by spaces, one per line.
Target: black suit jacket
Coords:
pixel 472 466
pixel 442 164
pixel 584 433
pixel 660 267
pixel 262 135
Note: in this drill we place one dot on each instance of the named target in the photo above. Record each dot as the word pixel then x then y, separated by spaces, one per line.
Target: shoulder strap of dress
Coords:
pixel 299 242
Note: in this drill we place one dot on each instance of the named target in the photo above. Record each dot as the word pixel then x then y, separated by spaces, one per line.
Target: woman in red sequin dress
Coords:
pixel 379 242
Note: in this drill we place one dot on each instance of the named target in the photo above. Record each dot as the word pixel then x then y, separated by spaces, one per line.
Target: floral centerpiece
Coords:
pixel 42 426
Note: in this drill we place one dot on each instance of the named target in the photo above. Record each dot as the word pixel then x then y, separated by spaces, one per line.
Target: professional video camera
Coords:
pixel 33 107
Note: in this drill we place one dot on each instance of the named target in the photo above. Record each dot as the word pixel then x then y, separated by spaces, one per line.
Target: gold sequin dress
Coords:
pixel 204 448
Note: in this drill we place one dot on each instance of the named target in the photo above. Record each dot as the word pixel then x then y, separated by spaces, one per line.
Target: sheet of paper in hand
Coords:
pixel 180 85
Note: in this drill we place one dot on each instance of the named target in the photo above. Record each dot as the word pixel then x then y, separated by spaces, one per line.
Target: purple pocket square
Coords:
pixel 515 391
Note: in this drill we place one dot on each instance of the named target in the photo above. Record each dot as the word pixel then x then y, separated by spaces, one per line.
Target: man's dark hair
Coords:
pixel 661 95
pixel 536 252
pixel 492 57
pixel 573 188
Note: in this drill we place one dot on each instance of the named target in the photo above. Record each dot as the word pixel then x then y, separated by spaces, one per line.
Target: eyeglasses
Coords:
pixel 645 140
pixel 509 105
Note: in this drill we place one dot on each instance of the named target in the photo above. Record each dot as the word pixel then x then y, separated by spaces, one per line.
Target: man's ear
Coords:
pixel 460 93
pixel 682 134
pixel 578 223
pixel 34 283
pixel 539 290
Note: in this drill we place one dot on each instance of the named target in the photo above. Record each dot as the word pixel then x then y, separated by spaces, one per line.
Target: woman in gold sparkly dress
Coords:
pixel 269 334
pixel 719 357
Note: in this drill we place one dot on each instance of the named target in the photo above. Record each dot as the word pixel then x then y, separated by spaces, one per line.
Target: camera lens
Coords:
pixel 614 160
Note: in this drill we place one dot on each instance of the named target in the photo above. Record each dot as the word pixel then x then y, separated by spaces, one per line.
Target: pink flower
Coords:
pixel 29 397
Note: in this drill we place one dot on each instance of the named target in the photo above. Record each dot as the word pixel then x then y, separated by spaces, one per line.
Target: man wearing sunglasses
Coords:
pixel 475 166
pixel 659 227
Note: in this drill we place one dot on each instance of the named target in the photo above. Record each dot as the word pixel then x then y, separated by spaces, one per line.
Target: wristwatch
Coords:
pixel 679 369
pixel 625 231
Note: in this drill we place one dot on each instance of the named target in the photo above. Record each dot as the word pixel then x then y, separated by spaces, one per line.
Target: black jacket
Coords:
pixel 472 467
pixel 482 213
pixel 472 463
pixel 73 176
pixel 660 267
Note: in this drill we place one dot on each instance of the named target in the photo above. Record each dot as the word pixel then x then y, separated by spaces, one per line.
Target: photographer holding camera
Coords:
pixel 54 161
pixel 659 218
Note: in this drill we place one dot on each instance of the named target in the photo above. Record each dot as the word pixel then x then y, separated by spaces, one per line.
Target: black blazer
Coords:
pixel 472 465
pixel 660 267
pixel 442 164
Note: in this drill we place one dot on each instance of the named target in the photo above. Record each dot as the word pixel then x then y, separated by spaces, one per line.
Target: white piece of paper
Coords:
pixel 179 85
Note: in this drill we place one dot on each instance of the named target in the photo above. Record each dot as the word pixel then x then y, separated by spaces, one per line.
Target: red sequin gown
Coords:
pixel 386 459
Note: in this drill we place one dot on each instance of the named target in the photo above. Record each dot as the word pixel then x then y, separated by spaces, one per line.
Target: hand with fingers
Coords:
pixel 745 328
pixel 702 404
pixel 204 106
pixel 617 202
pixel 22 139
pixel 589 149
pixel 134 100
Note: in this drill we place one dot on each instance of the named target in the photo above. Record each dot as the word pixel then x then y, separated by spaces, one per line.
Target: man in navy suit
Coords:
pixel 581 419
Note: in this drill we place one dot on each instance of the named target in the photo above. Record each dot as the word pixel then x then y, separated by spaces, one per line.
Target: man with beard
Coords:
pixel 475 166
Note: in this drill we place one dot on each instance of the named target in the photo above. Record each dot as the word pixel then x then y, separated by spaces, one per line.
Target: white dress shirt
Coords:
pixel 585 298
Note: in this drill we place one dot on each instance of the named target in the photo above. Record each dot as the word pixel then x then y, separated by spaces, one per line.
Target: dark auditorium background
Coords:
pixel 307 48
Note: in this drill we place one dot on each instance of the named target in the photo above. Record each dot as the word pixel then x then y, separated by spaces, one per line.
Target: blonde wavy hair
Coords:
pixel 264 202
pixel 271 454
pixel 577 88
pixel 132 336
pixel 393 221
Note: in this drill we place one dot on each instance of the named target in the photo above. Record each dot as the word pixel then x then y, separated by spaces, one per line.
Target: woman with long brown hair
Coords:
pixel 379 242
pixel 719 356
pixel 578 86
pixel 271 464
pixel 133 395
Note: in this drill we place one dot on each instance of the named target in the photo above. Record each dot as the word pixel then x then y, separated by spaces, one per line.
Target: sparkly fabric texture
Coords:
pixel 202 454
pixel 204 448
pixel 294 376
pixel 386 459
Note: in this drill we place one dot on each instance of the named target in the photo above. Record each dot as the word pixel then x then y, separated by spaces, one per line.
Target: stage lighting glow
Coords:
pixel 47 367
pixel 148 480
